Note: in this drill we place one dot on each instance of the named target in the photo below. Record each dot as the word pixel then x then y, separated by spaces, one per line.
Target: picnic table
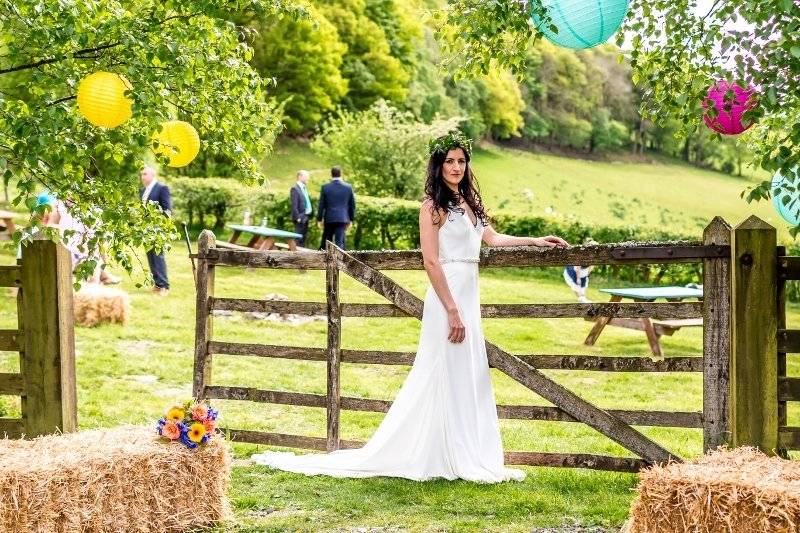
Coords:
pixel 263 237
pixel 8 222
pixel 653 327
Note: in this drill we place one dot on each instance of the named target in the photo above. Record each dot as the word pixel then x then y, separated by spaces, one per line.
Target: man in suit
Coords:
pixel 153 191
pixel 301 206
pixel 337 207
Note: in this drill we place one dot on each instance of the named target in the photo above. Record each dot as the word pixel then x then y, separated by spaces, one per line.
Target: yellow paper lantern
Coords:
pixel 178 141
pixel 101 99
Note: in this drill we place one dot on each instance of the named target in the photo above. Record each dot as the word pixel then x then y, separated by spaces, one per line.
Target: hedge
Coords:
pixel 387 223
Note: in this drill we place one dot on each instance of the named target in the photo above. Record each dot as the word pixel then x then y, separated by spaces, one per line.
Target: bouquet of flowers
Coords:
pixel 192 423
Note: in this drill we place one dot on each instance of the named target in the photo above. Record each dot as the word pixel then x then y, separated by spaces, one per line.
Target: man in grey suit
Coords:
pixel 301 206
pixel 337 207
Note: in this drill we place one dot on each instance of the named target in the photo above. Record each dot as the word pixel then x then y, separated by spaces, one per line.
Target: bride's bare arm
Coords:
pixel 429 240
pixel 492 238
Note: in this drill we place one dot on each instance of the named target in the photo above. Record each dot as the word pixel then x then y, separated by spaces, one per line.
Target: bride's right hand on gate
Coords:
pixel 457 330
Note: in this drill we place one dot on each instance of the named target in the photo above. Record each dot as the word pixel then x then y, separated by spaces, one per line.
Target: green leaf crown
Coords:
pixel 447 142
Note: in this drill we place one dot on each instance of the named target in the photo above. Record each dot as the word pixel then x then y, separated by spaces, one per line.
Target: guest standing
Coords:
pixel 153 191
pixel 337 208
pixel 301 206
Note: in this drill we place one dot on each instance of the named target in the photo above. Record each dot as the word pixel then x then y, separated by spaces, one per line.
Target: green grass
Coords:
pixel 130 374
pixel 666 194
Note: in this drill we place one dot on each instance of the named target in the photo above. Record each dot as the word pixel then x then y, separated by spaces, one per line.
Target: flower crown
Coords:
pixel 444 144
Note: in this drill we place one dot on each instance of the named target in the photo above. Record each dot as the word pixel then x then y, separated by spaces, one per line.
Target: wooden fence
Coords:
pixel 45 340
pixel 725 281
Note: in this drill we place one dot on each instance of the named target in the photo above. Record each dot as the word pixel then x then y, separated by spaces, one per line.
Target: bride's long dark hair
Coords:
pixel 443 198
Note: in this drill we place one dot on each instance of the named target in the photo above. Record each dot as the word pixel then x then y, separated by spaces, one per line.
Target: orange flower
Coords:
pixel 170 430
pixel 196 432
pixel 199 412
pixel 210 425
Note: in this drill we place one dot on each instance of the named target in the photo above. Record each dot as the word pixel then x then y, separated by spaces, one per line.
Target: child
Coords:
pixel 577 277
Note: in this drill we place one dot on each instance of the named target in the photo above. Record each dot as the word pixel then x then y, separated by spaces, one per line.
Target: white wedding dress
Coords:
pixel 443 423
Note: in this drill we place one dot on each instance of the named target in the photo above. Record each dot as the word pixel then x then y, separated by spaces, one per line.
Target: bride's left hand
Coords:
pixel 551 241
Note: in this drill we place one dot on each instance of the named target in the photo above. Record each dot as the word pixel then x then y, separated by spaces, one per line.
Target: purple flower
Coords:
pixel 187 441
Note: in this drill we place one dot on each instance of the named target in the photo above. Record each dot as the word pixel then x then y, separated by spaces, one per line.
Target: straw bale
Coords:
pixel 95 304
pixel 736 491
pixel 121 479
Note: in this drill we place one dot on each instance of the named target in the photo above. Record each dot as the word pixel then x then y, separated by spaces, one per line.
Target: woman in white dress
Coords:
pixel 443 422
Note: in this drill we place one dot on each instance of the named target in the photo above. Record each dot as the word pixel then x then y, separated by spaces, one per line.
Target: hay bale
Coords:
pixel 95 304
pixel 121 479
pixel 737 491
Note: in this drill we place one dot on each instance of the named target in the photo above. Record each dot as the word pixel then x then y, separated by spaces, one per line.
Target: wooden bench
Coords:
pixel 654 328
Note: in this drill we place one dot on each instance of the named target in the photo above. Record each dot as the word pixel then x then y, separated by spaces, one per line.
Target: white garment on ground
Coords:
pixel 443 422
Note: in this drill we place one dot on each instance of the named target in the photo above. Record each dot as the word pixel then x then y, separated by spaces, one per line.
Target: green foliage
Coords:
pixel 368 66
pixel 184 61
pixel 195 199
pixel 677 54
pixel 382 150
pixel 304 56
pixel 502 105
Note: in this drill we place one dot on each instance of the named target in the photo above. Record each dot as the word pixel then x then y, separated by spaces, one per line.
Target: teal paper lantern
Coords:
pixel 785 196
pixel 581 23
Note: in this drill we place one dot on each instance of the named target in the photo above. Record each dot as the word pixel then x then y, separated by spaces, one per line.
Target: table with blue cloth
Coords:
pixel 653 327
pixel 263 237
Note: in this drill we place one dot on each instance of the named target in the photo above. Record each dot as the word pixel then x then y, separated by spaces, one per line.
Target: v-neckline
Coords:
pixel 469 220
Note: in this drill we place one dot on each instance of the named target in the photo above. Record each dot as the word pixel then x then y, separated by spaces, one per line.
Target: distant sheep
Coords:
pixel 96 304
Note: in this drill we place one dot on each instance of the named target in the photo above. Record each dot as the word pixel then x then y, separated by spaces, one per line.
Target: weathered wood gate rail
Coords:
pixel 714 253
pixel 45 340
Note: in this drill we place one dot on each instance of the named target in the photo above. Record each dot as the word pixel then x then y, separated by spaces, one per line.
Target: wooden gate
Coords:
pixel 714 253
pixel 45 340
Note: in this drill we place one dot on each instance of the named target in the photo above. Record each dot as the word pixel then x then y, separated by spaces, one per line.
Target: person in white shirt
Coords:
pixel 301 206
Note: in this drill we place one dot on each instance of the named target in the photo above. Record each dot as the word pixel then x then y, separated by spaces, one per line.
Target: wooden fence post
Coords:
pixel 781 310
pixel 203 319
pixel 47 358
pixel 754 361
pixel 334 344
pixel 716 336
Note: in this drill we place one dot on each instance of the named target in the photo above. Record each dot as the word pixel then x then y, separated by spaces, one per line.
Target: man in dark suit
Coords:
pixel 337 207
pixel 301 206
pixel 153 191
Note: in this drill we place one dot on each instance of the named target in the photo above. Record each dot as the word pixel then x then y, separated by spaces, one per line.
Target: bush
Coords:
pixel 197 199
pixel 383 151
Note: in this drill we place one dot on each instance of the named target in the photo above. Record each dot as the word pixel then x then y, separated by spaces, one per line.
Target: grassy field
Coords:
pixel 666 194
pixel 130 374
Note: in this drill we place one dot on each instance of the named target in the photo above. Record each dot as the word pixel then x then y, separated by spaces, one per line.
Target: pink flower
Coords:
pixel 170 430
pixel 210 425
pixel 199 412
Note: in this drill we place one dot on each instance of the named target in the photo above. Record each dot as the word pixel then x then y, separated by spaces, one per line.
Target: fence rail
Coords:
pixel 598 363
pixel 631 253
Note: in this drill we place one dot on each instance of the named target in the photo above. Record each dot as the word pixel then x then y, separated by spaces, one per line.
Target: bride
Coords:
pixel 443 423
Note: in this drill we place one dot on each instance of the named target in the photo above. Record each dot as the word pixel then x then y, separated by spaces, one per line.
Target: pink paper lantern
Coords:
pixel 729 110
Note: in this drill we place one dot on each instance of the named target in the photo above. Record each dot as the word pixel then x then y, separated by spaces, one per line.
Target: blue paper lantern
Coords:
pixel 581 23
pixel 786 197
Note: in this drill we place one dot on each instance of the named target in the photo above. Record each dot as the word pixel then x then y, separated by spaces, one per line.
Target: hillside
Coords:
pixel 667 194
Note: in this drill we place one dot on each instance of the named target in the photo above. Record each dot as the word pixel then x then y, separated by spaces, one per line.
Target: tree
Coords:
pixel 304 57
pixel 676 55
pixel 183 59
pixel 502 105
pixel 382 150
pixel 368 66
